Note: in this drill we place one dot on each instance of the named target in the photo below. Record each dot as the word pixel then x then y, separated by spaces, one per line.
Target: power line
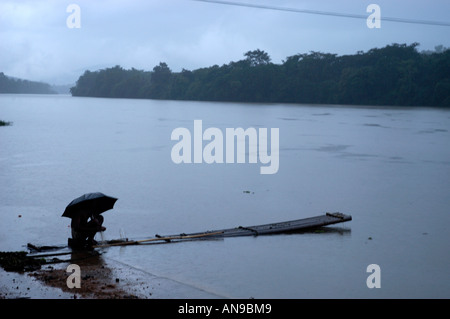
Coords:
pixel 325 13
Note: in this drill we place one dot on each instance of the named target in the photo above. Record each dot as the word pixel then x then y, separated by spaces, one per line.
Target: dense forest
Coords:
pixel 11 85
pixel 397 74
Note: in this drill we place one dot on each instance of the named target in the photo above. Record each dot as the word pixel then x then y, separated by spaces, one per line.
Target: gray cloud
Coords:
pixel 35 42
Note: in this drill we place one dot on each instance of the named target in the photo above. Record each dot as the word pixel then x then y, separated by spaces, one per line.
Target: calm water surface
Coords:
pixel 389 168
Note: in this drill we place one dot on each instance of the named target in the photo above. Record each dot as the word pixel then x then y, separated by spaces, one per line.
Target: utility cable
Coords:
pixel 325 13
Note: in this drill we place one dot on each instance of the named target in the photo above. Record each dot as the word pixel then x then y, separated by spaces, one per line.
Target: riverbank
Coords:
pixel 100 279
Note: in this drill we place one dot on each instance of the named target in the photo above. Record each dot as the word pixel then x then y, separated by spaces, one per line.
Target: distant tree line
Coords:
pixel 397 74
pixel 12 85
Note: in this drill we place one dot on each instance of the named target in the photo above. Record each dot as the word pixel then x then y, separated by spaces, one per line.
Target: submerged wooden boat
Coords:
pixel 266 229
pixel 283 227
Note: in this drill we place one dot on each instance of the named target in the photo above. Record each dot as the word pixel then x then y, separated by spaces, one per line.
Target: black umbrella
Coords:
pixel 94 202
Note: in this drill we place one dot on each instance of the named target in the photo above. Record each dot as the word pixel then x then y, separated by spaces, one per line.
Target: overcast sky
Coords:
pixel 37 44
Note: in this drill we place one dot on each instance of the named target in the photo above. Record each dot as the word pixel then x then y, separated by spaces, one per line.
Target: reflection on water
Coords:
pixel 388 168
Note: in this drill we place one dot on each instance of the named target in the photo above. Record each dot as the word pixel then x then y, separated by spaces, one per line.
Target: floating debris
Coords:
pixel 19 261
pixel 4 123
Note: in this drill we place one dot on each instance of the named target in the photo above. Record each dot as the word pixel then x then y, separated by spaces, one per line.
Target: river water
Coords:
pixel 387 167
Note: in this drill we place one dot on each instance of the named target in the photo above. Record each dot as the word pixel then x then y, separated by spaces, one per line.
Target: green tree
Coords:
pixel 257 57
pixel 160 83
pixel 393 75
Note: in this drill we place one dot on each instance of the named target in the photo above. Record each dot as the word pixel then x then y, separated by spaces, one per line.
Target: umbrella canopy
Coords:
pixel 94 202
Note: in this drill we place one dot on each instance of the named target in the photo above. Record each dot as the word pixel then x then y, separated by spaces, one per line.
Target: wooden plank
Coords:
pixel 160 238
pixel 282 227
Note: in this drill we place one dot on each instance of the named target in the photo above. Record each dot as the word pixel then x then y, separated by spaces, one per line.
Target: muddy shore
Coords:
pixel 100 279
